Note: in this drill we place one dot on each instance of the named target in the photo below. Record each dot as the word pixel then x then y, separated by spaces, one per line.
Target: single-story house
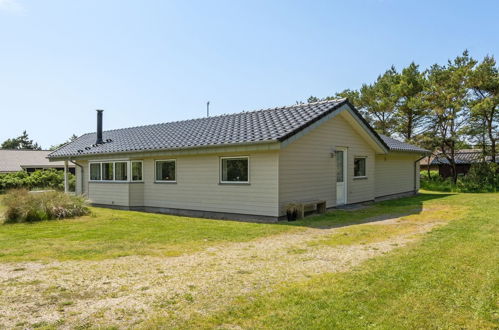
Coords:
pixel 29 161
pixel 464 158
pixel 247 165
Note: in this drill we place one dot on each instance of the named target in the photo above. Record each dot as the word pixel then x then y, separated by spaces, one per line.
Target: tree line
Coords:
pixel 23 142
pixel 442 108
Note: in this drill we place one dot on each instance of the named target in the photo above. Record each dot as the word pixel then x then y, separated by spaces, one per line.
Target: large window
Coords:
pixel 95 171
pixel 359 169
pixel 234 170
pixel 137 171
pixel 120 171
pixel 107 172
pixel 165 171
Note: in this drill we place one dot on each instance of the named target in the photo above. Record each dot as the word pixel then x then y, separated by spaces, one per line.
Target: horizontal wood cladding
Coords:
pixel 109 193
pixel 198 186
pixel 307 170
pixel 395 173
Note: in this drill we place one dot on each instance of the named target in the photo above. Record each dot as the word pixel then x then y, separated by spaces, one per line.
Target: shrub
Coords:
pixel 50 178
pixel 424 174
pixel 23 206
pixel 482 177
pixel 436 182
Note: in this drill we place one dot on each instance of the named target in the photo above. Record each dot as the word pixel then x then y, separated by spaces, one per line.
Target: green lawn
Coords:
pixel 449 279
pixel 111 233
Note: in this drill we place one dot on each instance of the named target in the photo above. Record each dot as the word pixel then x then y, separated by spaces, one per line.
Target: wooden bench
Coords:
pixel 320 206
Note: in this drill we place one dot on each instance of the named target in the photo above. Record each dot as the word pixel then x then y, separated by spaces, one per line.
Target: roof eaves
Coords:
pixel 86 155
pixel 419 151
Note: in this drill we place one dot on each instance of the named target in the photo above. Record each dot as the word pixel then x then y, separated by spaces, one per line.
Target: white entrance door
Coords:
pixel 341 176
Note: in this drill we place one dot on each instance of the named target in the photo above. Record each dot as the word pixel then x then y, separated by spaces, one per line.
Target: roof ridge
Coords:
pixel 229 114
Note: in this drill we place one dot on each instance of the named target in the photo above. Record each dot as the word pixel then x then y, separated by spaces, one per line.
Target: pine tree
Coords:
pixel 484 85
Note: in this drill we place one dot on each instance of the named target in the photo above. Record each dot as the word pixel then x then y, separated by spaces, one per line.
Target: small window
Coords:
pixel 339 165
pixel 107 172
pixel 359 169
pixel 136 171
pixel 165 170
pixel 95 171
pixel 121 171
pixel 235 170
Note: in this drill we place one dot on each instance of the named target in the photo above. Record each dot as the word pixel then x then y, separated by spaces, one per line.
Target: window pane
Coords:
pixel 339 166
pixel 121 171
pixel 235 170
pixel 165 170
pixel 107 171
pixel 359 167
pixel 95 171
pixel 136 171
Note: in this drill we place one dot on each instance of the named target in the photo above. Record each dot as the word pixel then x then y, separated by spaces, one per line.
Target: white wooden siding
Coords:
pixel 395 173
pixel 79 180
pixel 136 194
pixel 198 187
pixel 307 171
pixel 109 193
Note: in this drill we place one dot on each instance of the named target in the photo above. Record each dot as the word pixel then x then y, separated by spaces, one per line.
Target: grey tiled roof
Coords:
pixel 396 145
pixel 269 125
pixel 16 160
pixel 275 124
pixel 463 157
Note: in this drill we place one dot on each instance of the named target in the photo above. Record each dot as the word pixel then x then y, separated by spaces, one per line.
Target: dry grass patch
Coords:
pixel 376 230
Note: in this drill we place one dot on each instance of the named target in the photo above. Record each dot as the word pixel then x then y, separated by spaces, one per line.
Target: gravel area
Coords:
pixel 127 291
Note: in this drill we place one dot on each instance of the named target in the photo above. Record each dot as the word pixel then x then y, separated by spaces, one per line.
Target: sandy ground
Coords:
pixel 126 291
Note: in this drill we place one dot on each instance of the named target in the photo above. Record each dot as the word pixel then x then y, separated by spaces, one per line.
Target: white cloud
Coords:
pixel 11 6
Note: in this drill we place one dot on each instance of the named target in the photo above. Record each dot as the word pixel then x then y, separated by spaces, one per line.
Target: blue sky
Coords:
pixel 157 61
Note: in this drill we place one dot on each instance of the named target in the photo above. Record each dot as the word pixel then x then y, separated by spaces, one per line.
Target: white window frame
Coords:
pixel 90 172
pixel 155 170
pixel 233 182
pixel 102 170
pixel 365 167
pixel 127 170
pixel 141 168
pixel 114 161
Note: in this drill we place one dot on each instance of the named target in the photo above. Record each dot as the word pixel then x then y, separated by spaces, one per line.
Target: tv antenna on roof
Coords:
pixel 208 109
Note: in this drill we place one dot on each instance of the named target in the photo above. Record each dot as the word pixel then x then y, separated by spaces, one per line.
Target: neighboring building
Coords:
pixel 464 158
pixel 426 162
pixel 28 160
pixel 248 165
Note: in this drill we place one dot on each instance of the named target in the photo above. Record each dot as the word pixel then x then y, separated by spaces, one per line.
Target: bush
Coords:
pixel 437 183
pixel 50 178
pixel 424 174
pixel 23 206
pixel 482 177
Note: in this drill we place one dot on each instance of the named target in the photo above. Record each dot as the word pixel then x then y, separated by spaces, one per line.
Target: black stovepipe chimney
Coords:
pixel 99 127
